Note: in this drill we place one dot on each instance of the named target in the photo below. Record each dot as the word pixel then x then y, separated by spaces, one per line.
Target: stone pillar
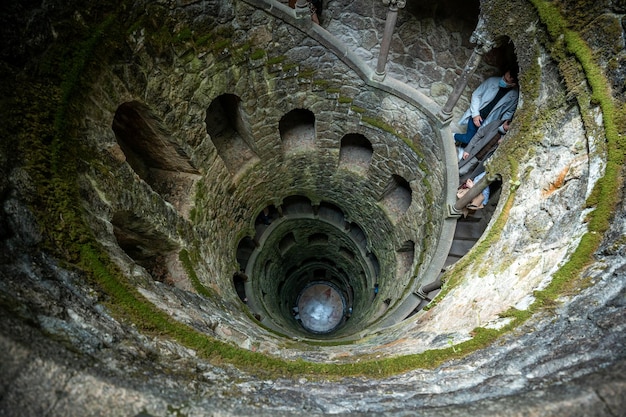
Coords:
pixel 390 23
pixel 484 44
pixel 473 192
pixel 470 67
pixel 302 9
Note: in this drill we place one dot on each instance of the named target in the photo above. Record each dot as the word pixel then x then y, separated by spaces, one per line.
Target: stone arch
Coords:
pixel 266 216
pixel 358 235
pixel 286 243
pixel 373 259
pixel 297 131
pixel 331 213
pixel 145 245
pixel 244 251
pixel 297 205
pixel 268 267
pixel 502 56
pixel 397 197
pixel 355 153
pixel 152 154
pixel 347 253
pixel 229 129
pixel 239 282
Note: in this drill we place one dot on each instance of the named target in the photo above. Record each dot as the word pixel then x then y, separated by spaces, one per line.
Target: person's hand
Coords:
pixel 465 155
pixel 469 183
pixel 477 120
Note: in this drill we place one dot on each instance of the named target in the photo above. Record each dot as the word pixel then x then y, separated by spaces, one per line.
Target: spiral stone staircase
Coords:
pixel 221 208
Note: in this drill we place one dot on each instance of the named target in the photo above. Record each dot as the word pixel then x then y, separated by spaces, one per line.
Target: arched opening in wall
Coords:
pixel 286 243
pixel 358 235
pixel 239 282
pixel 267 270
pixel 230 133
pixel 146 246
pixel 331 214
pixel 292 271
pixel 355 153
pixel 244 251
pixel 297 131
pixel 373 259
pixel 297 205
pixel 153 155
pixel 347 253
pixel 502 56
pixel 265 218
pixel 397 197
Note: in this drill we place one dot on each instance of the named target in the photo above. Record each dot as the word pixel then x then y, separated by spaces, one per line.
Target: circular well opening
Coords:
pixel 320 307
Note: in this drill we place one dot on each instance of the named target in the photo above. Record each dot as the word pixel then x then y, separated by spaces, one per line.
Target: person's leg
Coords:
pixel 477 203
pixel 465 138
pixel 467 166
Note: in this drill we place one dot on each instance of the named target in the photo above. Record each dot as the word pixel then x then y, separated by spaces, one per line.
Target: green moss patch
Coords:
pixel 258 54
pixel 276 60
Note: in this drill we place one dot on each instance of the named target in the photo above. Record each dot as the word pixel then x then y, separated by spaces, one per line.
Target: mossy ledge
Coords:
pixel 81 249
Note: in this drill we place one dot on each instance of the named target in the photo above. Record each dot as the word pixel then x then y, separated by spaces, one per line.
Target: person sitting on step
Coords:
pixel 494 99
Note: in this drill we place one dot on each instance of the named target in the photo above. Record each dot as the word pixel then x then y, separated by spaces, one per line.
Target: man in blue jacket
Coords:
pixel 495 99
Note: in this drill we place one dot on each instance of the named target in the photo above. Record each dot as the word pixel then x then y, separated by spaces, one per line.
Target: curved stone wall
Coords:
pixel 240 164
pixel 274 126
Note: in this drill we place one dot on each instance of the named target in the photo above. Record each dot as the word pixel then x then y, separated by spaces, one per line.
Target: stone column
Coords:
pixel 473 192
pixel 484 44
pixel 390 23
pixel 302 9
pixel 470 67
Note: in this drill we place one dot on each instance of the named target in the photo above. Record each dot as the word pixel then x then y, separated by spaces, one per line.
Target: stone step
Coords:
pixel 469 231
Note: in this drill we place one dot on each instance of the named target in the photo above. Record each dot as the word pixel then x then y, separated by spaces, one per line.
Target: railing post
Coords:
pixel 461 203
pixel 470 67
pixel 483 45
pixel 302 9
pixel 390 23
